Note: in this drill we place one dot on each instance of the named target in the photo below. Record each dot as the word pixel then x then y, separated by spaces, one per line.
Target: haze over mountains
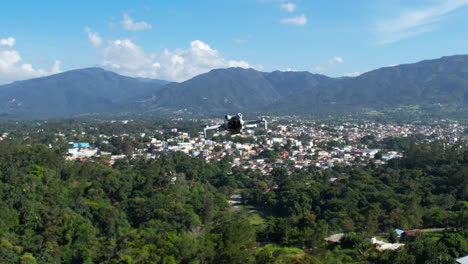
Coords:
pixel 432 83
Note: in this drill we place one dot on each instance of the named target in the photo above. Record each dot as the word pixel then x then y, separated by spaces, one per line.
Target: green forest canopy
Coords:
pixel 174 209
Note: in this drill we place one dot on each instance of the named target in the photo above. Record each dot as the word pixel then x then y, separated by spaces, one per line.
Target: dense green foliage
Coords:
pixel 138 212
pixel 173 209
pixel 428 189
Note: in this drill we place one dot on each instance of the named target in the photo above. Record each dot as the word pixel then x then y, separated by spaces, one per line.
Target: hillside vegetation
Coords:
pixel 173 209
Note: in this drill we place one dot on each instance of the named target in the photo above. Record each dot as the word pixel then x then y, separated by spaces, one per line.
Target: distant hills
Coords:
pixel 442 82
pixel 428 85
pixel 234 90
pixel 90 90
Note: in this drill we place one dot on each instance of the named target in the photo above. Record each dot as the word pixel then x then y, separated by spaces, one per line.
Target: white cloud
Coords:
pixel 128 24
pixel 181 65
pixel 94 38
pixel 11 68
pixel 289 7
pixel 416 21
pixel 126 58
pixel 10 42
pixel 337 60
pixel 56 67
pixel 299 20
pixel 325 66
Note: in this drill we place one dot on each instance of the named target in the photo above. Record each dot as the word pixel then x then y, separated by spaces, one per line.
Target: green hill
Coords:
pixel 442 82
pixel 233 90
pixel 74 92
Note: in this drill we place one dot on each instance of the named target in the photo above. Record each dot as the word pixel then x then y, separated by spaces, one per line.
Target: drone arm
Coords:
pixel 250 125
pixel 253 123
pixel 212 128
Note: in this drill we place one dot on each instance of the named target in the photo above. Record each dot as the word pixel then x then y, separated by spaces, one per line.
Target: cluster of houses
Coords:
pixel 382 245
pixel 295 145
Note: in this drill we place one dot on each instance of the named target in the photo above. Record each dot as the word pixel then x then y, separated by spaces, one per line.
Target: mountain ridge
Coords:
pixel 429 83
pixel 70 93
pixel 232 89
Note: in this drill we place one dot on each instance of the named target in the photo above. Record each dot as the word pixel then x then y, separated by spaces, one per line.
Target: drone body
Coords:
pixel 235 124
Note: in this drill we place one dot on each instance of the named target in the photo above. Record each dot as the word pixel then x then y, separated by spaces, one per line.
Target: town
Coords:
pixel 290 144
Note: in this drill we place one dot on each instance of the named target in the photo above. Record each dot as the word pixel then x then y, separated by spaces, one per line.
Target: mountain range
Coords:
pixel 442 82
pixel 427 84
pixel 70 93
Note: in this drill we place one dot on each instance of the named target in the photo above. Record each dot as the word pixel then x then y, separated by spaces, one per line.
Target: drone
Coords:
pixel 235 125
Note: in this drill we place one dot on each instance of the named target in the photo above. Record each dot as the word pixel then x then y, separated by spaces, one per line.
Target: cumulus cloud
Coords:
pixel 325 66
pixel 56 67
pixel 289 7
pixel 11 68
pixel 415 21
pixel 299 20
pixel 337 60
pixel 10 42
pixel 125 57
pixel 181 65
pixel 128 24
pixel 94 38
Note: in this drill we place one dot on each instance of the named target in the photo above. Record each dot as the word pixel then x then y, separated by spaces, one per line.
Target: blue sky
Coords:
pixel 176 40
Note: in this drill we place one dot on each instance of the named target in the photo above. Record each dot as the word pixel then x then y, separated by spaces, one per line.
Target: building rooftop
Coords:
pixel 463 260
